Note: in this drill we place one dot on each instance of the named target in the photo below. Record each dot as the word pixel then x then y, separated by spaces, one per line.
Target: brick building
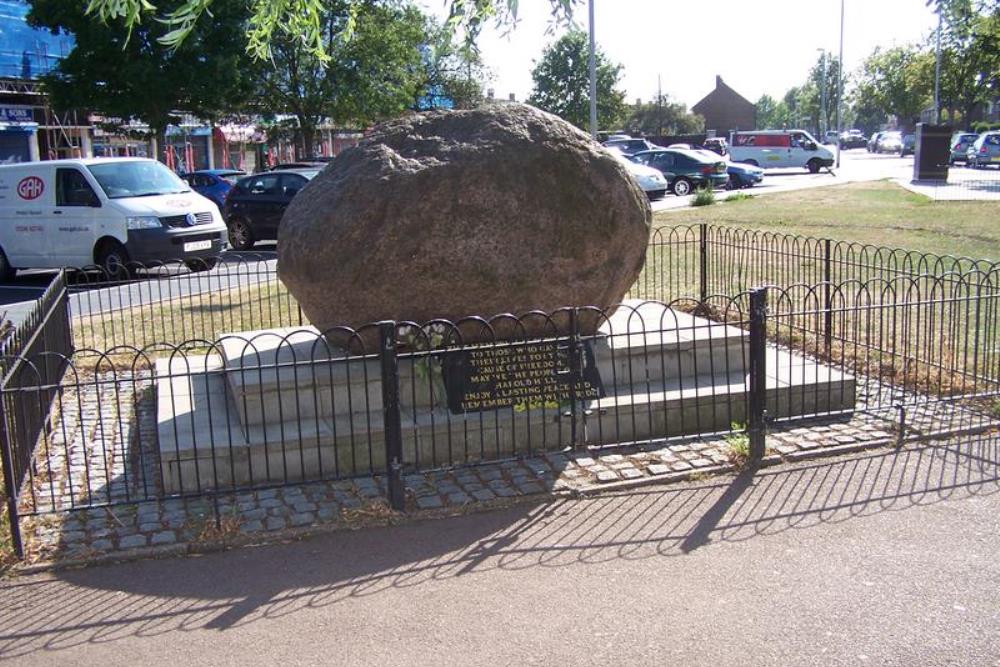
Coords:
pixel 724 109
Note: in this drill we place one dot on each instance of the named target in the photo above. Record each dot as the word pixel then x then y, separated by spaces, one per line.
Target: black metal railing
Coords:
pixel 699 260
pixel 34 353
pixel 189 383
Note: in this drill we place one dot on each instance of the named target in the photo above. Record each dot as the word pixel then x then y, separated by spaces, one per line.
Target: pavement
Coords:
pixel 881 558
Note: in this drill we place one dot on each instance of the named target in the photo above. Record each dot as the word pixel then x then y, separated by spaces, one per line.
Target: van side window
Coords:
pixel 72 189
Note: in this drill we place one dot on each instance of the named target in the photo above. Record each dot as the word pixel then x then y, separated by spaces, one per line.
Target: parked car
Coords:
pixel 908 145
pixel 256 203
pixel 743 175
pixel 889 142
pixel 296 165
pixel 780 148
pixel 717 145
pixel 630 146
pixel 740 175
pixel 831 138
pixel 960 144
pixel 873 142
pixel 213 184
pixel 852 139
pixel 685 170
pixel 649 179
pixel 985 151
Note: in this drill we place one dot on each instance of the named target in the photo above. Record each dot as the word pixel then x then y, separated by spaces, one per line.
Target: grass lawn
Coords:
pixel 879 212
pixel 205 316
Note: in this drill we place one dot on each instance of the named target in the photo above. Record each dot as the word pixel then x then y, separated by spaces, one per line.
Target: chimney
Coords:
pixel 512 98
pixel 718 81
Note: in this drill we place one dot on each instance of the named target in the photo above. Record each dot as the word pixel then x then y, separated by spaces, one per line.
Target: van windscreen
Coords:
pixel 134 178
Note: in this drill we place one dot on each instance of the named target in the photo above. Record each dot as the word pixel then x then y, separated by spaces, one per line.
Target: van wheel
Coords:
pixel 7 272
pixel 682 186
pixel 114 261
pixel 751 162
pixel 240 235
pixel 814 166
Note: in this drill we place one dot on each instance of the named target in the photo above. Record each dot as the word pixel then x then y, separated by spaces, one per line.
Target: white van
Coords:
pixel 104 211
pixel 770 149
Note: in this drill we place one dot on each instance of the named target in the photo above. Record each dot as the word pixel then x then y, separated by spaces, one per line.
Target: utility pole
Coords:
pixel 593 75
pixel 937 71
pixel 840 81
pixel 822 93
pixel 659 106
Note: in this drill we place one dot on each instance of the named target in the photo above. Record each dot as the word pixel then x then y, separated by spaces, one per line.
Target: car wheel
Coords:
pixel 814 166
pixel 240 235
pixel 7 272
pixel 682 186
pixel 201 264
pixel 114 261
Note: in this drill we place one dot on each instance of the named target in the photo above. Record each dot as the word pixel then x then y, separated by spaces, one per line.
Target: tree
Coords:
pixel 562 83
pixel 970 55
pixel 302 20
pixel 772 114
pixel 139 77
pixel 661 116
pixel 818 97
pixel 898 81
pixel 454 73
pixel 375 74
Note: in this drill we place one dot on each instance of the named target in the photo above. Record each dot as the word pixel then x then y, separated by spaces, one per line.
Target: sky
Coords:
pixel 756 46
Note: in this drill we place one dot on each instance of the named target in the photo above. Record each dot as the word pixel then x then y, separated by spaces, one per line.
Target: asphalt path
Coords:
pixel 883 558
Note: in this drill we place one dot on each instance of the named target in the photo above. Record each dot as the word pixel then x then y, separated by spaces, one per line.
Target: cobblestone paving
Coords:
pixel 71 473
pixel 180 524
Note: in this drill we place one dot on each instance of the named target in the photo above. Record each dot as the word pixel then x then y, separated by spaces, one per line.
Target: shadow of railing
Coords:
pixel 108 604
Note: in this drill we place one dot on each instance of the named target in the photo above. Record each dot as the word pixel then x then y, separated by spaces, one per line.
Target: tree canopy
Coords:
pixel 662 116
pixel 300 20
pixel 898 81
pixel 138 76
pixel 562 83
pixel 376 74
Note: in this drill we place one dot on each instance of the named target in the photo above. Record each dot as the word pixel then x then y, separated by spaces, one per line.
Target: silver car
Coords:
pixel 985 151
pixel 960 143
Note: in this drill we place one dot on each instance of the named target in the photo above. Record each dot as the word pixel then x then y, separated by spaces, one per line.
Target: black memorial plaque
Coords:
pixel 522 377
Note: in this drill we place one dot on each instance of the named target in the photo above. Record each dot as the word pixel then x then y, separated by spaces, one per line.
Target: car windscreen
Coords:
pixel 133 178
pixel 231 178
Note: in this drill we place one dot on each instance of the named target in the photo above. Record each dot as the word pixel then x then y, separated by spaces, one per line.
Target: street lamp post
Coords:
pixel 937 70
pixel 840 82
pixel 822 93
pixel 593 75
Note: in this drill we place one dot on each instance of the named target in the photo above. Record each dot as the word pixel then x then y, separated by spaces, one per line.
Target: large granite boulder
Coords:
pixel 502 209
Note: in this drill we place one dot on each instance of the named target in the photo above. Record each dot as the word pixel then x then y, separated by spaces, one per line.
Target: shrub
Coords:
pixel 704 197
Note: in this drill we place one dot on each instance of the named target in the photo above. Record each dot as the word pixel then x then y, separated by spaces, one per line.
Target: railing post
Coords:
pixel 573 350
pixel 390 412
pixel 827 297
pixel 703 262
pixel 757 396
pixel 10 483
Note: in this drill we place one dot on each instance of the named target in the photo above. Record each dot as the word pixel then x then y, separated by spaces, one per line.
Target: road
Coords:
pixel 237 268
pixel 855 165
pixel 882 558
